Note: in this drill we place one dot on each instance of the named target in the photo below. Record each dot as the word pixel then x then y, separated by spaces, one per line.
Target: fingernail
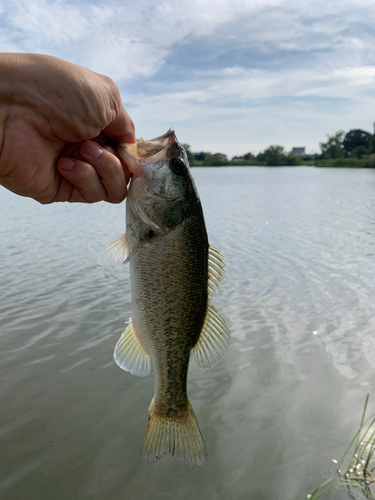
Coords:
pixel 92 149
pixel 66 164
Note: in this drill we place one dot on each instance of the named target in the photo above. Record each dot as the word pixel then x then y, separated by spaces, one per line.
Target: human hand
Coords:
pixel 59 124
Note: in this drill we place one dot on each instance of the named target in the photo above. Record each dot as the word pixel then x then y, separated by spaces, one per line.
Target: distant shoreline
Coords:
pixel 367 162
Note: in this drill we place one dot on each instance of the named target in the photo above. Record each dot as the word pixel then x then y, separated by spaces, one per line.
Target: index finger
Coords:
pixel 122 128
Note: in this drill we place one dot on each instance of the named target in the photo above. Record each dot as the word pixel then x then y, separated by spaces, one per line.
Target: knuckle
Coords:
pixel 110 164
pixel 117 197
pixel 44 202
pixel 94 194
pixel 94 198
pixel 114 92
pixel 131 124
pixel 84 173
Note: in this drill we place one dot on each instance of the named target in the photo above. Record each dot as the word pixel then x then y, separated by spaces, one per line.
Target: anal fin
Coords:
pixel 214 340
pixel 215 270
pixel 130 355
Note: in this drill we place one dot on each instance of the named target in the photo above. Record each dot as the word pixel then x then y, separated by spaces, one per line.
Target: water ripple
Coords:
pixel 298 298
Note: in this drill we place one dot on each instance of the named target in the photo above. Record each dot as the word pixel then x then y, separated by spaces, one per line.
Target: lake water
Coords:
pixel 285 401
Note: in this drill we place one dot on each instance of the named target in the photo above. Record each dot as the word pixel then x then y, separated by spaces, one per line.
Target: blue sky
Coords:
pixel 230 75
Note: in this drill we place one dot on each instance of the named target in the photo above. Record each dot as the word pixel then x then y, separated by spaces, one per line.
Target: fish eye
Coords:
pixel 178 166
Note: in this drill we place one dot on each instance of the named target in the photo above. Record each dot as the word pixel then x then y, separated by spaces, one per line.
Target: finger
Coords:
pixel 125 167
pixel 130 159
pixel 109 169
pixel 83 182
pixel 71 149
pixel 122 128
pixel 111 150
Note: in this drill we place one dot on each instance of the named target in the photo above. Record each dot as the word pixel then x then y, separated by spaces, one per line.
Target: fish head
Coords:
pixel 162 192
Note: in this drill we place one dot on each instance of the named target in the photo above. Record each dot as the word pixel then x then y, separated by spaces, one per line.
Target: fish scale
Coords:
pixel 174 287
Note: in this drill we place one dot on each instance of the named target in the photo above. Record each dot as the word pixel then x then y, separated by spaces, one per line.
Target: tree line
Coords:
pixel 356 143
pixel 355 148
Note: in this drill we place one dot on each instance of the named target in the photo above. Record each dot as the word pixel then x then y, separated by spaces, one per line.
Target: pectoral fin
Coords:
pixel 118 250
pixel 130 355
pixel 115 252
pixel 214 340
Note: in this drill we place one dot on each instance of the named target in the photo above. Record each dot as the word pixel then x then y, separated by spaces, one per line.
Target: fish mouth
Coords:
pixel 153 146
pixel 143 153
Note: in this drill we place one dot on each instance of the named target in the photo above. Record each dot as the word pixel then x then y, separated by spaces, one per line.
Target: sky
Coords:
pixel 230 76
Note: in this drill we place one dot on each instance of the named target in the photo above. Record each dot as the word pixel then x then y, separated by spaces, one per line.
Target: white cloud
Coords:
pixel 103 36
pixel 135 34
pixel 238 73
pixel 249 110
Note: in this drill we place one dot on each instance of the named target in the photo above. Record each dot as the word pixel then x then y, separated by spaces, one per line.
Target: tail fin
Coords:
pixel 180 437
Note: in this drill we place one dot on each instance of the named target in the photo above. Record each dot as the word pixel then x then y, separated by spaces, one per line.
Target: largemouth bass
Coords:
pixel 174 274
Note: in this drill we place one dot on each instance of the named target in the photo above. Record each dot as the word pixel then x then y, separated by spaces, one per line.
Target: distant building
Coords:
pixel 202 155
pixel 298 151
pixel 221 155
pixel 237 158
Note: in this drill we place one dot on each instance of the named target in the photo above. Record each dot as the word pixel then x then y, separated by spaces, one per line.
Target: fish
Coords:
pixel 174 274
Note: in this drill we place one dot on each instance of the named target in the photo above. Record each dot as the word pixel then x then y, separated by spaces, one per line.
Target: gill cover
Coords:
pixel 163 194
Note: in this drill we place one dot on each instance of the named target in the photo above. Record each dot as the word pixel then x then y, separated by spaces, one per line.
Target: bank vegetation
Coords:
pixel 354 149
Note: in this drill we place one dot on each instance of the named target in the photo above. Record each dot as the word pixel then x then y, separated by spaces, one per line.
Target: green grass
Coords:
pixel 317 493
pixel 366 162
pixel 359 471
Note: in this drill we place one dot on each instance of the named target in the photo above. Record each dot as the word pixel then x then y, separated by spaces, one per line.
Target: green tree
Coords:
pixel 291 159
pixel 202 156
pixel 371 148
pixel 248 156
pixel 274 155
pixel 359 152
pixel 356 138
pixel 333 148
pixel 214 161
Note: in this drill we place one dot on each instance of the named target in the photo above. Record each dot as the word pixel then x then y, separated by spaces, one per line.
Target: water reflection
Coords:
pixel 298 299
